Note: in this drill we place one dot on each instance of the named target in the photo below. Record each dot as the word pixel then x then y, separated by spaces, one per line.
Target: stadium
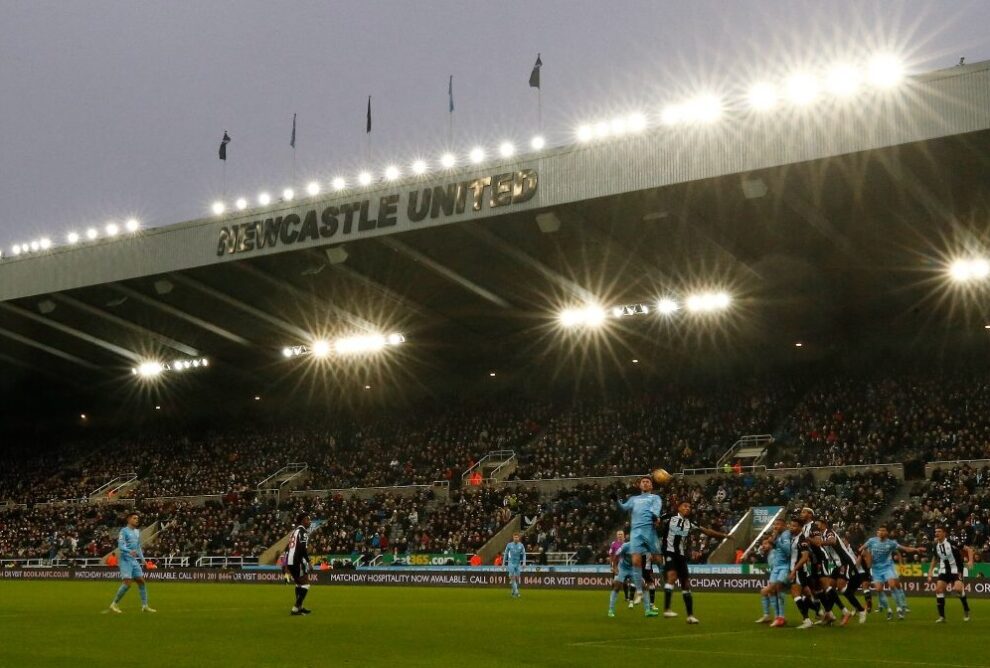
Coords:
pixel 779 300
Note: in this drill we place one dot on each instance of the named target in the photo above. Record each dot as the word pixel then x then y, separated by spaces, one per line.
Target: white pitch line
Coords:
pixel 677 637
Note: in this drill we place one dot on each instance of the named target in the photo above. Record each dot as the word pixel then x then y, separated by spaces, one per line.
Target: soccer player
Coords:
pixel 130 560
pixel 777 548
pixel 514 558
pixel 844 573
pixel 622 568
pixel 649 581
pixel 297 562
pixel 613 549
pixel 949 557
pixel 879 551
pixel 821 585
pixel 644 509
pixel 676 533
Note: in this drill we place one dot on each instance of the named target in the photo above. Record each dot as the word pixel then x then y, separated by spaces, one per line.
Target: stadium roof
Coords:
pixel 827 226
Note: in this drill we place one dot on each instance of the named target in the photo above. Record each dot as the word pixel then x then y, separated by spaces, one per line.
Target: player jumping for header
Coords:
pixel 644 509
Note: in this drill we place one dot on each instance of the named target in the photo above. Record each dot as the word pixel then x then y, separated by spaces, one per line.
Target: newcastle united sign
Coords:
pixel 340 221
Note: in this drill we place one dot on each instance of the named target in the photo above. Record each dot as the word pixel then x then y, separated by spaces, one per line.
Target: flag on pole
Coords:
pixel 450 92
pixel 534 76
pixel 368 130
pixel 223 145
pixel 292 142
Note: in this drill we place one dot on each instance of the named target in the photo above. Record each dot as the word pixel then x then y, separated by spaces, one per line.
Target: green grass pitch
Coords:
pixel 60 624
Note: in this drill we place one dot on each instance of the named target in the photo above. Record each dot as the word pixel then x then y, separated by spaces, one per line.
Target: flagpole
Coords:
pixel 539 109
pixel 224 171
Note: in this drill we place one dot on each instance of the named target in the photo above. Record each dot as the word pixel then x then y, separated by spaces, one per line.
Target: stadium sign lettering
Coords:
pixel 352 219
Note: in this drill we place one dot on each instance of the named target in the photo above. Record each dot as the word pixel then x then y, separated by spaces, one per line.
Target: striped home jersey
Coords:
pixel 296 552
pixel 810 531
pixel 675 535
pixel 950 559
pixel 799 544
pixel 837 551
pixel 848 556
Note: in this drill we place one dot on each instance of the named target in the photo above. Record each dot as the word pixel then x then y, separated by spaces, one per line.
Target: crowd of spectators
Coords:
pixel 958 499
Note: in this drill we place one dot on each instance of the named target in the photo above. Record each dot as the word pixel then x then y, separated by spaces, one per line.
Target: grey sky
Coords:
pixel 110 109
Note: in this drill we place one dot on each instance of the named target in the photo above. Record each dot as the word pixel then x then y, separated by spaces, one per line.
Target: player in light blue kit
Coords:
pixel 514 558
pixel 777 547
pixel 644 509
pixel 622 562
pixel 879 551
pixel 131 558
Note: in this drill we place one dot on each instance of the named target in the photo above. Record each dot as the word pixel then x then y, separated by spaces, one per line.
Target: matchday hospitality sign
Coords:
pixel 342 221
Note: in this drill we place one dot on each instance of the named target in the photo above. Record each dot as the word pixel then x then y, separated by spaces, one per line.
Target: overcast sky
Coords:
pixel 110 109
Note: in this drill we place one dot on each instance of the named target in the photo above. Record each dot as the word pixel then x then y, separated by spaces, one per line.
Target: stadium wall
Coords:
pixel 939 104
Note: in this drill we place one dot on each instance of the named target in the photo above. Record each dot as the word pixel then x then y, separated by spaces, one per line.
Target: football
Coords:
pixel 661 476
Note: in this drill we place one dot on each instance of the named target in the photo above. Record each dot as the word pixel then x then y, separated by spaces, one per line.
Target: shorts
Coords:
pixel 514 571
pixel 948 578
pixel 644 541
pixel 623 574
pixel 883 573
pixel 678 564
pixel 298 573
pixel 780 575
pixel 130 569
pixel 806 579
pixel 839 572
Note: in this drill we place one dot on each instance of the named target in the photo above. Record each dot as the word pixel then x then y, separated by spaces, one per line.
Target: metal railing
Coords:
pixel 501 456
pixel 170 561
pixel 110 487
pixel 223 561
pixel 720 470
pixel 289 471
pixel 553 558
pixel 747 441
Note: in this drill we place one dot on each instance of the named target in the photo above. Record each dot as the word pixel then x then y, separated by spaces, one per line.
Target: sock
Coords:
pixel 143 590
pixel 850 594
pixel 611 600
pixel 299 597
pixel 515 585
pixel 940 602
pixel 668 592
pixel 901 598
pixel 962 597
pixel 827 599
pixel 305 590
pixel 638 579
pixel 883 600
pixel 688 602
pixel 627 591
pixel 765 604
pixel 781 603
pixel 653 596
pixel 814 604
pixel 802 606
pixel 120 593
pixel 869 600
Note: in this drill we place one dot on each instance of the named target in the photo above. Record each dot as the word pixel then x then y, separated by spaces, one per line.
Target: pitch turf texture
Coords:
pixel 60 624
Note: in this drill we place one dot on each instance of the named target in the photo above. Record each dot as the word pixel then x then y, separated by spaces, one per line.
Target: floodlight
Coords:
pixel 762 97
pixel 843 80
pixel 391 172
pixel 35 246
pixel 537 143
pixel 320 348
pixel 590 316
pixel 395 339
pixel 506 149
pixel 338 183
pixel 802 89
pixel 708 302
pixel 112 229
pixel 72 237
pixel 264 199
pixel 635 122
pixel 601 129
pixel 448 160
pixel 885 71
pixel 355 345
pixel 672 114
pixel 91 233
pixel 288 195
pixel 45 243
pixel 241 203
pixel 286 352
pixel 312 188
pixel 704 109
pixel 16 250
pixel 964 270
pixel 364 178
pixel 667 306
pixel 585 133
pixel 218 208
pixel 150 369
pixel 617 126
pixel 477 154
pixel 132 225
pixel 419 167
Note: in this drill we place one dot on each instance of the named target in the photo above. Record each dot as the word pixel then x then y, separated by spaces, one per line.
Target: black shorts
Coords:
pixel 298 573
pixel 948 578
pixel 678 564
pixel 804 578
pixel 839 572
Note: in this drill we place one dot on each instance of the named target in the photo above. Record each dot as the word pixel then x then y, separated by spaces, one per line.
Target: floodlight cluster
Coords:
pixel 969 270
pixel 593 316
pixel 154 368
pixel 360 344
pixel 111 229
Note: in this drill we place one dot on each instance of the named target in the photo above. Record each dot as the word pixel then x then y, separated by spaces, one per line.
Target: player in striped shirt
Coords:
pixel 949 558
pixel 297 562
pixel 843 571
pixel 130 560
pixel 674 543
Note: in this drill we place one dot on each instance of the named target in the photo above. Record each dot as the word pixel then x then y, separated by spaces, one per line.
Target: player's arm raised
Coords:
pixel 712 533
